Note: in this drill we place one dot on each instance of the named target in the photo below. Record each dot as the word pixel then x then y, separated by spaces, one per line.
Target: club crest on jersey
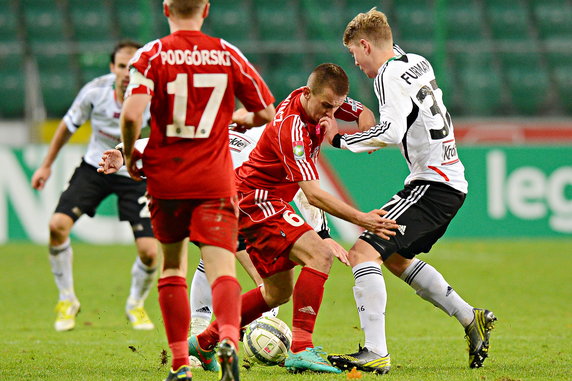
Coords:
pixel 298 149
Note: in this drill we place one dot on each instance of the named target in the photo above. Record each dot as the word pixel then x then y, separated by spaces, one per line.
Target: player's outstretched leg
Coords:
pixel 309 359
pixel 363 359
pixel 207 358
pixel 478 334
pixel 181 374
pixel 228 360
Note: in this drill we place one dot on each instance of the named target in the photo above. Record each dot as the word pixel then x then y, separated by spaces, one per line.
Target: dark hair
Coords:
pixel 123 44
pixel 329 75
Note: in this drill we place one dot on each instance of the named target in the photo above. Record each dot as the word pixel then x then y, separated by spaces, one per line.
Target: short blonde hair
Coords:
pixel 372 26
pixel 185 8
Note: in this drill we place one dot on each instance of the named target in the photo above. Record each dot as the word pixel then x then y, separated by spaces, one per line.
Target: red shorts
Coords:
pixel 207 221
pixel 269 240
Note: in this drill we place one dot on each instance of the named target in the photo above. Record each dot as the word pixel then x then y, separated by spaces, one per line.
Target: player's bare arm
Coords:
pixel 245 119
pixel 372 221
pixel 43 173
pixel 316 218
pixel 366 119
pixel 130 123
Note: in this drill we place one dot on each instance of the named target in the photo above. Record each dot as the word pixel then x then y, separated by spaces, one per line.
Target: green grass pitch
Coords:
pixel 526 283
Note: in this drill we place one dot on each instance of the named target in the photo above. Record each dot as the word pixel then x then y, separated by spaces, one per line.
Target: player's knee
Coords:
pixel 397 264
pixel 148 256
pixel 59 231
pixel 277 299
pixel 147 249
pixel 355 257
pixel 322 260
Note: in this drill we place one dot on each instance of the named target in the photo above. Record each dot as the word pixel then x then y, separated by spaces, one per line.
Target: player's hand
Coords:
pixel 375 223
pixel 110 162
pixel 338 251
pixel 331 126
pixel 40 177
pixel 131 160
pixel 239 117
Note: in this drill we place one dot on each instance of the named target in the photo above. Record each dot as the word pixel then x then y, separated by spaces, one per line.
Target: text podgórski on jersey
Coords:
pixel 195 57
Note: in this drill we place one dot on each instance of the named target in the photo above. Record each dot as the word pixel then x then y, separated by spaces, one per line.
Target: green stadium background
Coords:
pixel 505 68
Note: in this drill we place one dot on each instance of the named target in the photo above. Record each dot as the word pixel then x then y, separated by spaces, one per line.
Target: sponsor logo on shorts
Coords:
pixel 77 211
pixel 401 229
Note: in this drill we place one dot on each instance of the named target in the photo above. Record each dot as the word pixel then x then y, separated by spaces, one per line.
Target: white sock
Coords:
pixel 371 298
pixel 61 260
pixel 200 295
pixel 429 284
pixel 142 276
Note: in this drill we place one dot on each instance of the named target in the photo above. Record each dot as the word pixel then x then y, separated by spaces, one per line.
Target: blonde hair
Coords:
pixel 372 26
pixel 185 8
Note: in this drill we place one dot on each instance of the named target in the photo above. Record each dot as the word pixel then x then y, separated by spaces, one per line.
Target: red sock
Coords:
pixel 307 298
pixel 176 317
pixel 253 306
pixel 226 307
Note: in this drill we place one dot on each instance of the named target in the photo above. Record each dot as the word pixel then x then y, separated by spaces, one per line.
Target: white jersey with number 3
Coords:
pixel 412 115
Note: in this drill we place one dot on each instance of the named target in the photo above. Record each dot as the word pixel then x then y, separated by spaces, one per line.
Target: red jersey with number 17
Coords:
pixel 193 80
pixel 287 151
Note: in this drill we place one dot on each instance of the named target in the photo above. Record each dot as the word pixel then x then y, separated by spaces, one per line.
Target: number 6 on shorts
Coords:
pixel 293 219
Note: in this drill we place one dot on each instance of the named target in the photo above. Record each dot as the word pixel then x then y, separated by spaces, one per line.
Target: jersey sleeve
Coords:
pixel 250 88
pixel 349 111
pixel 295 149
pixel 394 107
pixel 80 110
pixel 141 73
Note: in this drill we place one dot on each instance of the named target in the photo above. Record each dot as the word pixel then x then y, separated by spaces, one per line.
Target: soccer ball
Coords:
pixel 267 340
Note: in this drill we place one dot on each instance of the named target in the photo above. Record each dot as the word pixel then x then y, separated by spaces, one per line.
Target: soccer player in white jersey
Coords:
pixel 413 117
pixel 100 100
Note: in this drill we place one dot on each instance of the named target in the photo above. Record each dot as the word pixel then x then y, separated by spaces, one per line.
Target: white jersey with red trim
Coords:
pixel 96 101
pixel 412 115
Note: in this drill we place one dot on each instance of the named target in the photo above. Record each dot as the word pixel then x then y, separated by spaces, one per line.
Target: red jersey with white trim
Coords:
pixel 288 150
pixel 193 80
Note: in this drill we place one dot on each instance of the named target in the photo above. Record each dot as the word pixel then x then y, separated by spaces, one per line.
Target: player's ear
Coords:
pixel 206 10
pixel 166 9
pixel 306 91
pixel 364 44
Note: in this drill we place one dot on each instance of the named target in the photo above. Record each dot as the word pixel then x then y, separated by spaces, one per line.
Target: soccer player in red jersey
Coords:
pixel 277 239
pixel 191 81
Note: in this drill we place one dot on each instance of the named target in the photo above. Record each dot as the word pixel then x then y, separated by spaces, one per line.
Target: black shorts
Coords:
pixel 87 189
pixel 423 211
